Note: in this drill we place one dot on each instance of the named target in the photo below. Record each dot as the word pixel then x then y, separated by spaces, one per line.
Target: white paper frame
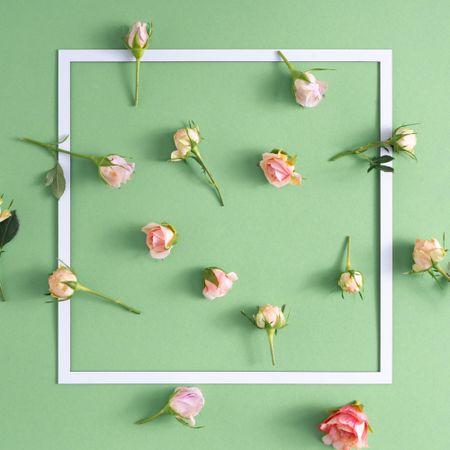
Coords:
pixel 384 375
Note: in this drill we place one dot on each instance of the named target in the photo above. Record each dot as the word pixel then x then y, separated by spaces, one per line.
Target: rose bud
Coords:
pixel 137 40
pixel 351 281
pixel 6 213
pixel 117 172
pixel 426 255
pixel 404 139
pixel 346 428
pixel 160 239
pixel 185 404
pixel 271 318
pixel 63 283
pixel 279 168
pixel 307 90
pixel 217 283
pixel 187 146
pixel 185 139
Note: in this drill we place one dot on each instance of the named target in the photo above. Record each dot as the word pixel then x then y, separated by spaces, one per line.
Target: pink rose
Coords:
pixel 346 428
pixel 351 282
pixel 118 173
pixel 309 94
pixel 138 36
pixel 279 168
pixel 56 283
pixel 186 403
pixel 184 139
pixel 160 239
pixel 271 316
pixel 427 252
pixel 217 282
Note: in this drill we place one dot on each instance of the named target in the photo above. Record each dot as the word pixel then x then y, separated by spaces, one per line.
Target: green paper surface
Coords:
pixel 287 246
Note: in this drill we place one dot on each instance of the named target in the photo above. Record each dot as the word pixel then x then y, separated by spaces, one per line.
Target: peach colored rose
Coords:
pixel 118 173
pixel 427 252
pixel 270 316
pixel 138 35
pixel 405 139
pixel 186 403
pixel 309 94
pixel 160 239
pixel 5 214
pixel 351 282
pixel 217 283
pixel 346 428
pixel 184 138
pixel 279 169
pixel 56 283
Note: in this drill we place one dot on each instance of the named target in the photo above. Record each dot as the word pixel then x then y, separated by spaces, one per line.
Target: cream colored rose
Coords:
pixel 271 316
pixel 427 252
pixel 406 139
pixel 184 138
pixel 309 93
pixel 56 283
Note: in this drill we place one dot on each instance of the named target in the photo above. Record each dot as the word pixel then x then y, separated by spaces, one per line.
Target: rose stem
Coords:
pixel 357 151
pixel 56 149
pixel 109 299
pixel 348 264
pixel 443 272
pixel 138 72
pixel 290 66
pixel 155 416
pixel 270 334
pixel 213 181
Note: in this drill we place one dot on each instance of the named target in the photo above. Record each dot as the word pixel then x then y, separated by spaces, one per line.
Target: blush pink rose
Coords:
pixel 425 253
pixel 279 169
pixel 138 35
pixel 346 428
pixel 118 173
pixel 271 316
pixel 217 283
pixel 56 283
pixel 186 403
pixel 351 282
pixel 309 94
pixel 183 139
pixel 160 239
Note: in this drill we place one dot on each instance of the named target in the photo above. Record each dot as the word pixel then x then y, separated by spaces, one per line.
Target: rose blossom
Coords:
pixel 186 403
pixel 405 139
pixel 138 35
pixel 270 315
pixel 279 169
pixel 427 252
pixel 309 93
pixel 346 428
pixel 160 239
pixel 217 282
pixel 56 283
pixel 183 138
pixel 118 173
pixel 351 282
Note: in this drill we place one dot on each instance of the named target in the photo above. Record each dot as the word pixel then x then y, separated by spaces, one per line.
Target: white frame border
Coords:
pixel 384 375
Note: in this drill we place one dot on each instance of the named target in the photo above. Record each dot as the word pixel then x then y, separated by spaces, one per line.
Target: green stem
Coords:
pixel 199 159
pixel 151 418
pixel 348 265
pixel 54 148
pixel 357 151
pixel 290 66
pixel 442 272
pixel 138 73
pixel 270 334
pixel 80 287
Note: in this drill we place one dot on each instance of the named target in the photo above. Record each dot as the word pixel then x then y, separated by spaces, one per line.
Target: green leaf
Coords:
pixel 383 159
pixel 55 179
pixel 8 229
pixel 385 168
pixel 208 274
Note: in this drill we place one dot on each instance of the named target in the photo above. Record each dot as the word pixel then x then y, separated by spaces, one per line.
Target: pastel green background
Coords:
pixel 285 245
